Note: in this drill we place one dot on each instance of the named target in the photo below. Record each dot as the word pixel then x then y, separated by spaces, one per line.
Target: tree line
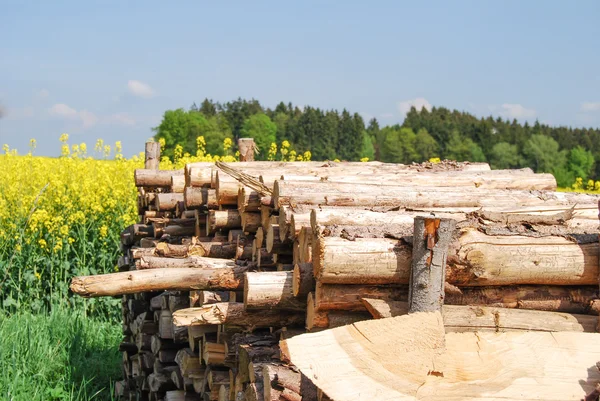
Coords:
pixel 566 152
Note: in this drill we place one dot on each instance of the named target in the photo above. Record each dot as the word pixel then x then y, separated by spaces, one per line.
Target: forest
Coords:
pixel 568 153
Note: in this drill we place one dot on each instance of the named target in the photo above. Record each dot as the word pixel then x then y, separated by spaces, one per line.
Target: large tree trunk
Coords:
pixel 234 313
pixel 396 359
pixel 271 290
pixel 179 279
pixel 373 195
pixel 167 201
pixel 475 259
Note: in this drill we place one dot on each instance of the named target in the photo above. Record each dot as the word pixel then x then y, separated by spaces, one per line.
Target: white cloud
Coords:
pixel 121 119
pixel 87 118
pixel 63 110
pixel 510 110
pixel 418 103
pixel 140 89
pixel 42 94
pixel 590 106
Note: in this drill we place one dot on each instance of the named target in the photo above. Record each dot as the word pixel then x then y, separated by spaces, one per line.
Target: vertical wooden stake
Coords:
pixel 152 155
pixel 431 239
pixel 247 148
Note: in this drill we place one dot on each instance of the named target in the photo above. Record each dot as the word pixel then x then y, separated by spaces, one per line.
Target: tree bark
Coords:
pixel 195 198
pixel 246 147
pixel 154 178
pixel 180 279
pixel 348 297
pixel 222 220
pixel 234 313
pixel 475 259
pixel 250 222
pixel 431 239
pixel 373 195
pixel 152 156
pixel 167 201
pixel 271 290
pixel 478 318
pixel 329 319
pixel 274 244
pixel 248 200
pixel 303 279
pixel 155 262
pixel 177 183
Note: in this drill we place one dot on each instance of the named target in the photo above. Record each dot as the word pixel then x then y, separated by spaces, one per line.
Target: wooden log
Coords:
pixel 346 194
pixel 579 300
pixel 154 178
pixel 421 347
pixel 213 353
pixel 330 319
pixel 246 147
pixel 179 279
pixel 274 243
pixel 233 235
pixel 198 176
pixel 305 245
pixel 234 313
pixel 348 297
pixel 196 198
pixel 270 290
pixel 152 155
pixel 297 222
pixel 479 318
pixel 250 222
pixel 155 262
pixel 216 378
pixel 177 183
pixel 431 239
pixel 167 201
pixel 248 200
pixel 303 280
pixel 223 220
pixel 227 189
pixel 280 377
pixel 266 212
pixel 476 259
pixel 160 382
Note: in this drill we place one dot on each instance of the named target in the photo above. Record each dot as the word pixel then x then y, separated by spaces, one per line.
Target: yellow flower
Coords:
pixel 285 144
pixel 57 247
pixel 307 155
pixel 42 243
pixel 434 160
pixel 227 143
pixel 64 138
pixel 18 247
pixel 83 147
pixel 364 159
pixel 162 143
pixel 71 240
pixel 64 230
pixel 37 275
pixel 103 231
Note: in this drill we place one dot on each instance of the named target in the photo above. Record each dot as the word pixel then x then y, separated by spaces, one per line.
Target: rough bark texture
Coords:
pixel 271 290
pixel 303 280
pixel 428 270
pixel 152 155
pixel 235 313
pixel 181 279
pixel 246 147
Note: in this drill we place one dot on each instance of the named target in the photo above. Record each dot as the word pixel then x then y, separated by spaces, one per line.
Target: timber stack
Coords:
pixel 227 260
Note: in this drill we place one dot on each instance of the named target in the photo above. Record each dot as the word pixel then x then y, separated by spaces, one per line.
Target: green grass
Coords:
pixel 61 355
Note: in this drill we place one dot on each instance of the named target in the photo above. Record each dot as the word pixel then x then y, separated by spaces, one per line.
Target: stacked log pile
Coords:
pixel 227 260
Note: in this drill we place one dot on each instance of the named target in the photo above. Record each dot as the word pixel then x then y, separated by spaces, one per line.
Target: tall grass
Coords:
pixel 61 355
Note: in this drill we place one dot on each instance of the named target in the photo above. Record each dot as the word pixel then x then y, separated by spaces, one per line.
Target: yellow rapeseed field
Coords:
pixel 61 217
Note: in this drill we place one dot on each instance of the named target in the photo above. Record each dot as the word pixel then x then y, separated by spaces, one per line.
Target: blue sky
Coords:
pixel 110 69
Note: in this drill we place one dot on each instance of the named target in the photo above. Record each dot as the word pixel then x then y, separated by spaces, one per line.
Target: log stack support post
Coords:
pixel 431 239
